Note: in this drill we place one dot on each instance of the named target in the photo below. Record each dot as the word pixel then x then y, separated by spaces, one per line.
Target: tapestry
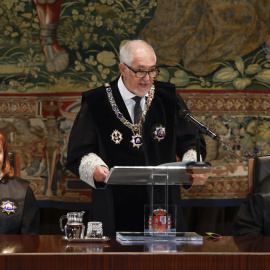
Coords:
pixel 215 52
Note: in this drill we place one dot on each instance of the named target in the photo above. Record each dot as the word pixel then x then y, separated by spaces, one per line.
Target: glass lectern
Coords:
pixel 160 219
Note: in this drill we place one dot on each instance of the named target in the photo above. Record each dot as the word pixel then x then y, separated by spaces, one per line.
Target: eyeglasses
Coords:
pixel 142 73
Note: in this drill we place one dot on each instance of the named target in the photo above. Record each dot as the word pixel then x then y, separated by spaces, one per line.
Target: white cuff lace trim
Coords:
pixel 87 167
pixel 191 155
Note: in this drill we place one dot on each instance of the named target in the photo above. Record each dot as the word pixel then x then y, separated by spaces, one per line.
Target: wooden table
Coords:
pixel 51 252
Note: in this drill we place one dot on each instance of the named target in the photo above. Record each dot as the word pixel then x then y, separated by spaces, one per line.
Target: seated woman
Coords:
pixel 20 212
pixel 253 217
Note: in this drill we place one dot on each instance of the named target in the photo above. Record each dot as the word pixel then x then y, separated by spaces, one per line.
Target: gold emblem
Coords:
pixel 8 207
pixel 116 136
pixel 137 140
pixel 159 133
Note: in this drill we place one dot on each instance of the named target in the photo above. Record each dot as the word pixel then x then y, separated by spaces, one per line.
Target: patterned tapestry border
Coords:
pixel 38 130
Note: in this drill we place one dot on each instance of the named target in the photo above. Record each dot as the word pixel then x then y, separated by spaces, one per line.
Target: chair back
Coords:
pixel 14 161
pixel 261 169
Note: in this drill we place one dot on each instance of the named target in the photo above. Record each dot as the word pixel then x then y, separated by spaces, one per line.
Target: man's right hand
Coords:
pixel 100 173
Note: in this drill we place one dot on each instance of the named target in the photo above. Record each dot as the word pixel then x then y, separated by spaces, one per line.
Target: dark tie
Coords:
pixel 137 109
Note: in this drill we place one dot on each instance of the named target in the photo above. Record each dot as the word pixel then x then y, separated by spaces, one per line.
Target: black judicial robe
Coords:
pixel 253 217
pixel 24 219
pixel 91 133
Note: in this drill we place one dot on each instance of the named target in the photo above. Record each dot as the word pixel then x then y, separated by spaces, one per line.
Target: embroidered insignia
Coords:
pixel 116 136
pixel 8 207
pixel 159 133
pixel 137 140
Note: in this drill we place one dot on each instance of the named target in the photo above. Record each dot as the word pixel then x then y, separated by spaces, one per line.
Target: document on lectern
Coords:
pixel 175 173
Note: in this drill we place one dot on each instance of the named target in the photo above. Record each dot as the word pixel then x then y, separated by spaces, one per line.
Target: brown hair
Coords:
pixel 7 170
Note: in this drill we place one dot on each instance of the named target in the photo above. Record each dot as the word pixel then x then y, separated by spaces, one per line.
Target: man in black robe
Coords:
pixel 105 134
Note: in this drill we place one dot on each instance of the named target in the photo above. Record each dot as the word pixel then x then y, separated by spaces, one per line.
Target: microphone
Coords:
pixel 185 114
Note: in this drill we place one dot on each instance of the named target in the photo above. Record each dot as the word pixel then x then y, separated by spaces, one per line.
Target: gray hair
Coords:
pixel 126 51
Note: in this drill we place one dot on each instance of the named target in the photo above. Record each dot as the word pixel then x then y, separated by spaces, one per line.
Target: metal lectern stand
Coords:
pixel 177 173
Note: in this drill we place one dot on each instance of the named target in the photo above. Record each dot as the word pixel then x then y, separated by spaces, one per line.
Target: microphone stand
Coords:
pixel 199 163
pixel 198 148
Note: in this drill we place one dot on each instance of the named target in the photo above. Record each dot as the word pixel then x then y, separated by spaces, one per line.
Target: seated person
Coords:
pixel 253 217
pixel 19 210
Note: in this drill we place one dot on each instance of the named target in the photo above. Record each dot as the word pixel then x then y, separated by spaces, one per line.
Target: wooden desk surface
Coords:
pixel 51 252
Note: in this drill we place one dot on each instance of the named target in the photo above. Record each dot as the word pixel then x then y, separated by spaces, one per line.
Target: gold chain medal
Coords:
pixel 136 138
pixel 136 128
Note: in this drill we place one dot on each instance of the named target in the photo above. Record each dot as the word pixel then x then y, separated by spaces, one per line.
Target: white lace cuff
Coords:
pixel 87 167
pixel 191 155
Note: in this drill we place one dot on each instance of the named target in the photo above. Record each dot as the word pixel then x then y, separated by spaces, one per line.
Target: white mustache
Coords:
pixel 145 82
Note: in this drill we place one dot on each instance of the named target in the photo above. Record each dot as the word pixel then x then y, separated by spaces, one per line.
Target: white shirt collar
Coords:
pixel 127 98
pixel 125 93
